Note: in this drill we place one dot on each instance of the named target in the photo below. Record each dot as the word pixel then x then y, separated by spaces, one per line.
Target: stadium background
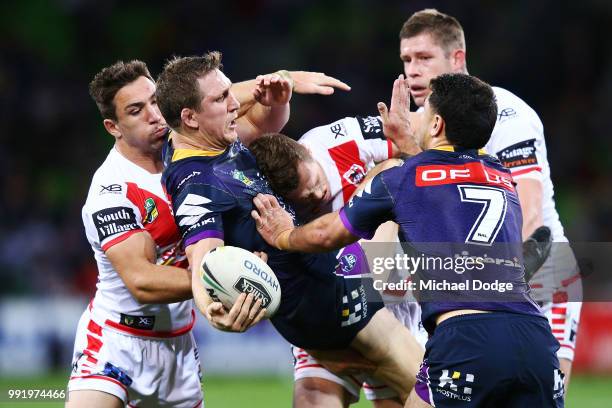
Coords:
pixel 554 54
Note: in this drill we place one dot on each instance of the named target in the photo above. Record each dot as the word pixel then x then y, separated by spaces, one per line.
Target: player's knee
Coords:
pixel 314 392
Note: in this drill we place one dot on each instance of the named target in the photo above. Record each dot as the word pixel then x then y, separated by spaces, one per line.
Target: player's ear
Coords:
pixel 437 126
pixel 112 128
pixel 457 59
pixel 188 118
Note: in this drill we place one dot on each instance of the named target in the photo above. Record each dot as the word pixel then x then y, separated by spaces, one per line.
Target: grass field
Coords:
pixel 270 392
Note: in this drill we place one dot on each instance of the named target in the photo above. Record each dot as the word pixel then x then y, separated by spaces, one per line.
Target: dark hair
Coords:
pixel 177 85
pixel 110 80
pixel 278 157
pixel 445 30
pixel 467 106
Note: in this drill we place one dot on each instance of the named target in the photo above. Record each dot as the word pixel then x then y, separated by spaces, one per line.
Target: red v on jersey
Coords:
pixel 156 215
pixel 349 165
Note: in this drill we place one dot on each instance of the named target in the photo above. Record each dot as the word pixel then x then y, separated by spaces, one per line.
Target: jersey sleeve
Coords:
pixel 109 216
pixel 518 138
pixel 369 208
pixel 198 211
pixel 375 146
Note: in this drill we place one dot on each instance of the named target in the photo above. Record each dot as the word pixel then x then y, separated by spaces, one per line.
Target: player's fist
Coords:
pixel 273 89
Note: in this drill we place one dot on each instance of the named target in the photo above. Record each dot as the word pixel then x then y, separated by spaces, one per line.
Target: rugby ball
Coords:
pixel 228 271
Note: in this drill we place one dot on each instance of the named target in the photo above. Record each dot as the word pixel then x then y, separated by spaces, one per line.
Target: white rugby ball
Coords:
pixel 228 271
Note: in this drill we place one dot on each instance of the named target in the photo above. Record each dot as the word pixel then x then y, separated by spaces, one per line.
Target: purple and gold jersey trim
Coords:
pixel 351 229
pixel 203 235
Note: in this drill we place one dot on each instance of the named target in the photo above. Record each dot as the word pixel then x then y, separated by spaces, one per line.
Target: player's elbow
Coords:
pixel 139 287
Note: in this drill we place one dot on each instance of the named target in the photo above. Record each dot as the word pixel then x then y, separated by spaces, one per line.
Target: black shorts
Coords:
pixel 332 309
pixel 491 360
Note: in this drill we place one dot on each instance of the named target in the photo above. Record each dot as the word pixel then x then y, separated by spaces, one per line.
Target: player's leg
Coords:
pixel 313 392
pixel 564 319
pixel 390 345
pixel 89 384
pixel 93 399
pixel 315 386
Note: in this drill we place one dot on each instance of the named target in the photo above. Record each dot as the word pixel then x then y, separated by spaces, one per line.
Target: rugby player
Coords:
pixel 142 305
pixel 318 175
pixel 433 43
pixel 464 364
pixel 211 178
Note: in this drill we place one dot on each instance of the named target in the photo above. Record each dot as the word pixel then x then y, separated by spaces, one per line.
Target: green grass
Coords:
pixel 256 392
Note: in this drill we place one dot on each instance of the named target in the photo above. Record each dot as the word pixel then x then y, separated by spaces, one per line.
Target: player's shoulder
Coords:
pixel 343 130
pixel 511 108
pixel 109 182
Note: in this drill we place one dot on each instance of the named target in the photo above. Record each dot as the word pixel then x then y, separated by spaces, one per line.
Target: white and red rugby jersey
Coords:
pixel 125 199
pixel 518 142
pixel 347 149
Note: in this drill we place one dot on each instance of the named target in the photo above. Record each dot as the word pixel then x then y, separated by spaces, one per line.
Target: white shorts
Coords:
pixel 146 372
pixel 564 319
pixel 305 366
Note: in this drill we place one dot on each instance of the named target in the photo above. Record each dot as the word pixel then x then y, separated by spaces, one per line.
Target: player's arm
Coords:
pixel 359 219
pixel 245 312
pixel 276 226
pixel 270 113
pixel 265 100
pixel 134 259
pixel 530 191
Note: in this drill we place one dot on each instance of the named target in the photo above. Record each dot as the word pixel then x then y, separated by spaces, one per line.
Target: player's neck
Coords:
pixel 439 142
pixel 196 141
pixel 150 161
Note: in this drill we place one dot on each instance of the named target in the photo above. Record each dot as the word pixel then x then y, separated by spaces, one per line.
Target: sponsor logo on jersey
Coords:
pixel 239 175
pixel 114 220
pixel 476 172
pixel 111 188
pixel 519 154
pixel 192 174
pixel 505 114
pixel 338 129
pixel 137 322
pixel 151 212
pixel 371 127
pixel 192 209
pixel 246 285
pixel 355 174
pixel 558 386
pixel 455 385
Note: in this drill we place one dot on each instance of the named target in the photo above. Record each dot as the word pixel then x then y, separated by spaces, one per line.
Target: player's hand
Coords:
pixel 244 314
pixel 396 119
pixel 306 82
pixel 271 219
pixel 273 89
pixel 536 250
pixel 261 255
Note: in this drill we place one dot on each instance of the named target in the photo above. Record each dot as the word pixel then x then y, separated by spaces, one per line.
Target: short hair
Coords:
pixel 445 30
pixel 177 85
pixel 278 157
pixel 110 80
pixel 467 106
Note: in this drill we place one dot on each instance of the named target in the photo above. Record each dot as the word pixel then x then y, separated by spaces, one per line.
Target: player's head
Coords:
pixel 125 95
pixel 195 98
pixel 431 44
pixel 460 111
pixel 292 172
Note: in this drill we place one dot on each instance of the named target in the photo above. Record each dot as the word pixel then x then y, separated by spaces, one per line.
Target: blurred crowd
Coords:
pixel 554 54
